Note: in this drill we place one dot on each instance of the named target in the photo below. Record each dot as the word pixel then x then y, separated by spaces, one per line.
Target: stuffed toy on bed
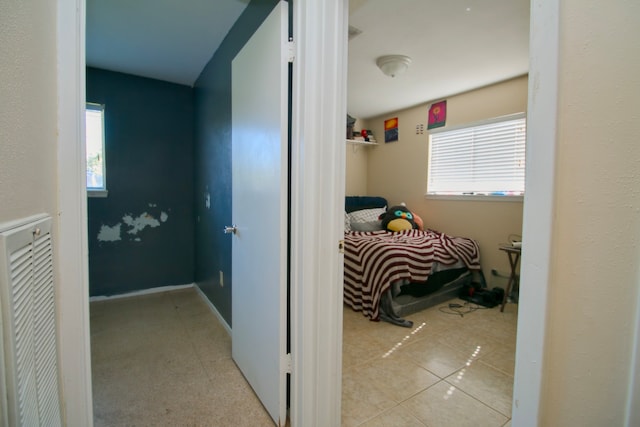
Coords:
pixel 398 218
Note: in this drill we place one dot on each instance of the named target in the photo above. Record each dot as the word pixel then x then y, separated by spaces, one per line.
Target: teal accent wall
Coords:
pixel 142 235
pixel 213 160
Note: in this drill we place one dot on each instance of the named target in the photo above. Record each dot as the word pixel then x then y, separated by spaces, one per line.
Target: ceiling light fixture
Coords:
pixel 392 65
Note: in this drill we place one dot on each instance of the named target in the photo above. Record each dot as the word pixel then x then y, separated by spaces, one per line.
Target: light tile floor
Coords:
pixel 448 370
pixel 165 360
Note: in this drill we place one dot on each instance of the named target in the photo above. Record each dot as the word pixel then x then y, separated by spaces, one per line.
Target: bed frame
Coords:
pixel 404 305
pixel 394 304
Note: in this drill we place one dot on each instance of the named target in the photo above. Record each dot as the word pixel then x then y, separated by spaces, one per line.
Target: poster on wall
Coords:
pixel 437 115
pixel 391 130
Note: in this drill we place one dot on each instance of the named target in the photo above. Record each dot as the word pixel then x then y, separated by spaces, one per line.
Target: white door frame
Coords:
pixel 538 210
pixel 318 169
pixel 319 183
pixel 71 253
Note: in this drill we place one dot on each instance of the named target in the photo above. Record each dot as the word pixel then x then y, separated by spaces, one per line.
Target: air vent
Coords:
pixel 354 32
pixel 28 320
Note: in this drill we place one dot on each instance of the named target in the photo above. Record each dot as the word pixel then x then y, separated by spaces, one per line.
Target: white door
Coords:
pixel 260 210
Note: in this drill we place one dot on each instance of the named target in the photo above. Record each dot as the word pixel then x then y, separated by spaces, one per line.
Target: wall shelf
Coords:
pixel 359 142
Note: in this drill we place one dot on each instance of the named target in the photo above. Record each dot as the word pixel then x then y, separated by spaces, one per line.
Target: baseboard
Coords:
pixel 215 311
pixel 142 292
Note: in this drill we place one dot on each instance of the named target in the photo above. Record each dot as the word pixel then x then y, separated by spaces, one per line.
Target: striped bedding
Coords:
pixel 374 260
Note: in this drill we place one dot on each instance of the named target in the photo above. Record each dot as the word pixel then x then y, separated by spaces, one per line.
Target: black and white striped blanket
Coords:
pixel 374 260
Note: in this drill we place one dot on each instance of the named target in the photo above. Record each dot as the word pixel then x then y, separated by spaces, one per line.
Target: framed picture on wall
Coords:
pixel 437 115
pixel 391 130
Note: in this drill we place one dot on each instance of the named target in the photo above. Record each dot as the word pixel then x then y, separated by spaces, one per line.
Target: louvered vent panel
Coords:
pixel 22 268
pixel 29 324
pixel 45 332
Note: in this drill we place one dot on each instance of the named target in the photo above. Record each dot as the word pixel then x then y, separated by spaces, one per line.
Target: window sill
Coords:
pixel 475 197
pixel 97 193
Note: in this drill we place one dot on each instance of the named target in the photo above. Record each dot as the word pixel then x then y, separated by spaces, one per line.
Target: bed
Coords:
pixel 389 275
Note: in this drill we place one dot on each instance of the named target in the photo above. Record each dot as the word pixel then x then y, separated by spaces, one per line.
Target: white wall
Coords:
pixel 356 173
pixel 357 159
pixel 594 276
pixel 28 106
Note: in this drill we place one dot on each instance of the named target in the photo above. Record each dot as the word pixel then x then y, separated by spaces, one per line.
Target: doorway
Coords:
pixel 395 170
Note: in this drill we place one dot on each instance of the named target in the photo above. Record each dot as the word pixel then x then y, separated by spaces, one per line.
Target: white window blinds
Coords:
pixel 483 159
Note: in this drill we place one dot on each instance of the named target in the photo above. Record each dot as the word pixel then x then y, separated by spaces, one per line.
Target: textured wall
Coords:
pixel 28 109
pixel 213 159
pixel 357 160
pixel 141 235
pixel 595 276
pixel 356 174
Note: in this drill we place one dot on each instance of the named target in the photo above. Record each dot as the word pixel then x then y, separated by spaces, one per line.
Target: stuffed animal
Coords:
pixel 419 222
pixel 398 218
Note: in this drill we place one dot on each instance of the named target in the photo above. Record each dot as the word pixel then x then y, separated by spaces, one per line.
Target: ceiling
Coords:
pixel 455 45
pixel 161 39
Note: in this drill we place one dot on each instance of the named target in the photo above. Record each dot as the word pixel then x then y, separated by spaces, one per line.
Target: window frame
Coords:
pixel 484 196
pixel 97 191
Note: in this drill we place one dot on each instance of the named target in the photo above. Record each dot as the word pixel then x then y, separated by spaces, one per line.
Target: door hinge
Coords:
pixel 288 364
pixel 291 50
pixel 341 246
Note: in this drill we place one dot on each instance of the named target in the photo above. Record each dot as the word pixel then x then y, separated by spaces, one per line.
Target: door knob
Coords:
pixel 230 229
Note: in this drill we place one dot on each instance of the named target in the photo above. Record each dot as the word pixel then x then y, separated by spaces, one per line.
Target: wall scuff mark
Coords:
pixel 140 223
pixel 109 234
pixel 134 224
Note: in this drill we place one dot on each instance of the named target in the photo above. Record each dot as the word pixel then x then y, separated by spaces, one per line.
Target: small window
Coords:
pixel 96 170
pixel 484 159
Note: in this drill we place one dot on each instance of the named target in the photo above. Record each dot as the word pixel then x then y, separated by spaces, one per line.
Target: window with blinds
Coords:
pixel 484 159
